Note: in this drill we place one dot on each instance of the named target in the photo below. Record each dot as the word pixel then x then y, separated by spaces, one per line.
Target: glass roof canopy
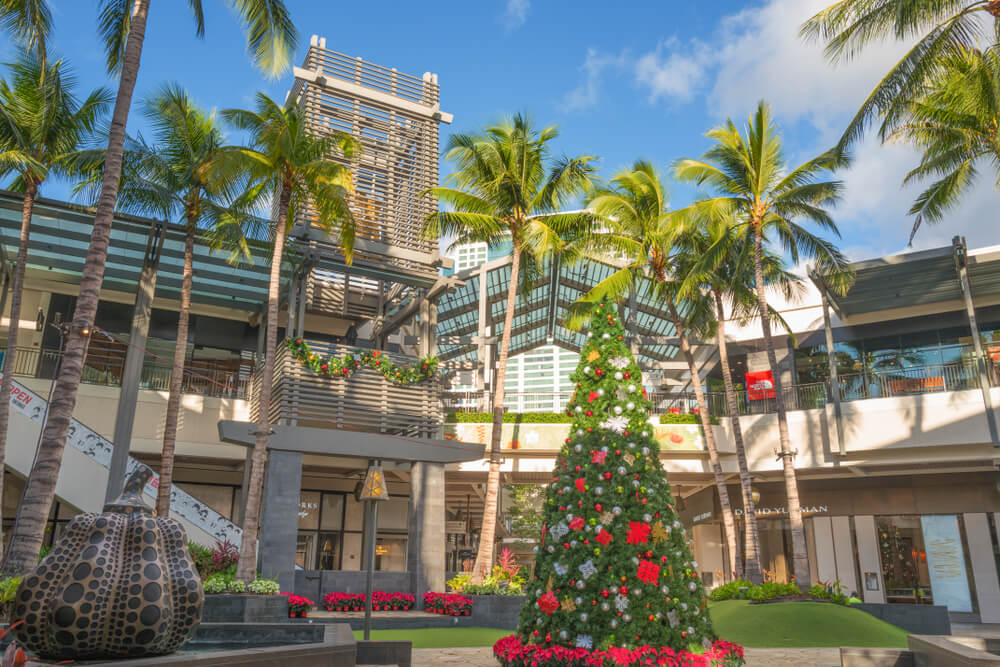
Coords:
pixel 539 315
pixel 60 236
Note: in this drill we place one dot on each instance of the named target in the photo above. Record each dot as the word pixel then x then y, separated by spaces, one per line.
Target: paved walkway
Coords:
pixel 756 657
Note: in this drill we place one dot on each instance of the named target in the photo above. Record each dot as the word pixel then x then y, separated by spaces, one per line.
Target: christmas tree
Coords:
pixel 613 570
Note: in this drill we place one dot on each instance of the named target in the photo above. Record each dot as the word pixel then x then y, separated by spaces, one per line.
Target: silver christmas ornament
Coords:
pixel 600 392
pixel 630 405
pixel 645 451
pixel 617 510
pixel 584 616
pixel 605 606
pixel 622 470
pixel 617 409
pixel 598 491
pixel 619 376
pixel 647 517
pixel 627 618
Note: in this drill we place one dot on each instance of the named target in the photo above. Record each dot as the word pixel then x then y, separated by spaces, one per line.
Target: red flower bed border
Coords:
pixel 512 653
pixel 381 601
pixel 449 604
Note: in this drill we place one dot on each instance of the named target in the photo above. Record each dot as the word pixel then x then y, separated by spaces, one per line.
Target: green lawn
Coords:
pixel 441 637
pixel 801 624
pixel 777 625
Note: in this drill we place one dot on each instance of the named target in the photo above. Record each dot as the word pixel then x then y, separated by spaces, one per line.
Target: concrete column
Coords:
pixel 868 556
pixel 279 525
pixel 984 569
pixel 826 561
pixel 425 558
pixel 843 553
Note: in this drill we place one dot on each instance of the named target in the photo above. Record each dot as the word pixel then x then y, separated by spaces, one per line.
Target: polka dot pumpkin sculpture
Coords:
pixel 116 584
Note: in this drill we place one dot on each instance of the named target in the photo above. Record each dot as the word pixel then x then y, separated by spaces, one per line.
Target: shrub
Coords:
pixel 344 602
pixel 682 418
pixel 216 584
pixel 458 583
pixel 834 592
pixel 449 604
pixel 220 559
pixel 381 601
pixel 8 589
pixel 730 591
pixel 298 604
pixel 261 586
pixel 509 418
pixel 772 589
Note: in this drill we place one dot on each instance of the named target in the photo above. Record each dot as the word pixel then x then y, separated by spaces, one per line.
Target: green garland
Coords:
pixel 348 364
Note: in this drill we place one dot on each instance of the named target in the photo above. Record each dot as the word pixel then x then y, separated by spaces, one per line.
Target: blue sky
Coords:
pixel 622 81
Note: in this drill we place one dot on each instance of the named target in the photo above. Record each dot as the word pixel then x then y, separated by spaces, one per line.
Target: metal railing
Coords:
pixel 104 366
pixel 879 383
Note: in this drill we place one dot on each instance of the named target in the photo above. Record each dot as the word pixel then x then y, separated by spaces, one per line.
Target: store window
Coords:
pixel 904 560
pixel 331 528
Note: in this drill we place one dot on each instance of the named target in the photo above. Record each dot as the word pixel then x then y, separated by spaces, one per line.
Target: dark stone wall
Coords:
pixel 919 619
pixel 280 520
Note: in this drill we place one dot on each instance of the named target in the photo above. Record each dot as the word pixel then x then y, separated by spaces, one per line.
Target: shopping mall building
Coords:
pixel 896 439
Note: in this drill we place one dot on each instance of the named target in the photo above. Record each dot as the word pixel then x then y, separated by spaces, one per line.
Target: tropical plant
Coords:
pixel 174 177
pixel 292 167
pixel 43 129
pixel 954 120
pixel 508 189
pixel 941 28
pixel 636 226
pixel 271 38
pixel 762 198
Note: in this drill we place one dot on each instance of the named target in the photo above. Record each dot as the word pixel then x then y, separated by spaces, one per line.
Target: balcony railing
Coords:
pixel 365 401
pixel 104 366
pixel 881 383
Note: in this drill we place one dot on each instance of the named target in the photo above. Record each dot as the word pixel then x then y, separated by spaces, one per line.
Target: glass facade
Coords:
pixel 904 560
pixel 331 524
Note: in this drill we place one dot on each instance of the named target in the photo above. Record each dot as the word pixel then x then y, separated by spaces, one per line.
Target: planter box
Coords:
pixel 496 611
pixel 245 609
pixel 919 619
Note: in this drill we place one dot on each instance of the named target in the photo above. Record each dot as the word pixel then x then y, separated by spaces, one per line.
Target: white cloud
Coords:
pixel 516 13
pixel 586 94
pixel 673 70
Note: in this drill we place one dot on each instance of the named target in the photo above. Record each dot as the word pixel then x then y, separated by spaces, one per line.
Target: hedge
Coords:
pixel 685 419
pixel 509 418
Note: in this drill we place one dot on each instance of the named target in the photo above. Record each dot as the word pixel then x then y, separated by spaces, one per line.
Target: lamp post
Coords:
pixel 372 490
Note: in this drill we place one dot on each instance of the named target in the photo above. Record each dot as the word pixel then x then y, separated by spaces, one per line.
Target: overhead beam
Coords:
pixel 411 309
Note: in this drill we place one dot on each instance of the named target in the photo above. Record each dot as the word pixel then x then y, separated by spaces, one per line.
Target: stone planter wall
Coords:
pixel 919 619
pixel 496 611
pixel 245 609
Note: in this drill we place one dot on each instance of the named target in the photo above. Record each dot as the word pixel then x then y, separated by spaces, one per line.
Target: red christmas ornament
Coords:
pixel 568 441
pixel 599 372
pixel 581 485
pixel 597 507
pixel 607 475
pixel 590 413
pixel 627 375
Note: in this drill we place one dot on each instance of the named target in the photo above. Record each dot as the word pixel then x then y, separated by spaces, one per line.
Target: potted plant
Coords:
pixel 298 605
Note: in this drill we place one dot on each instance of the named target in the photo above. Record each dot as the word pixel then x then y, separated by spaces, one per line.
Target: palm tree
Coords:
pixel 508 188
pixel 764 199
pixel 43 127
pixel 725 270
pixel 955 121
pixel 271 39
pixel 29 22
pixel 942 29
pixel 635 225
pixel 175 178
pixel 291 167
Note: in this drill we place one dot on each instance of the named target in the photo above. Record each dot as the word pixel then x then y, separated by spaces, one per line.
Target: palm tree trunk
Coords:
pixel 40 488
pixel 16 293
pixel 487 531
pixel 800 559
pixel 246 568
pixel 176 379
pixel 752 538
pixel 728 524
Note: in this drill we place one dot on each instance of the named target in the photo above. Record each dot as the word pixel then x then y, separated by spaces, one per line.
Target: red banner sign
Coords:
pixel 760 385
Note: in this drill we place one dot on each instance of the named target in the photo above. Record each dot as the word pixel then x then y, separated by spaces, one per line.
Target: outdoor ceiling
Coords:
pixel 539 315
pixel 60 236
pixel 919 278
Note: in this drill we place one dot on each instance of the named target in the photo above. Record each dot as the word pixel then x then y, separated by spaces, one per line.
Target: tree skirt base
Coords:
pixel 512 653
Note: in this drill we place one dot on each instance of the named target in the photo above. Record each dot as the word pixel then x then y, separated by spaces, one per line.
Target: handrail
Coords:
pixel 879 383
pixel 104 366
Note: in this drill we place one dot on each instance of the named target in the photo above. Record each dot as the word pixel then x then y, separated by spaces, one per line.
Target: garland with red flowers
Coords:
pixel 348 364
pixel 512 653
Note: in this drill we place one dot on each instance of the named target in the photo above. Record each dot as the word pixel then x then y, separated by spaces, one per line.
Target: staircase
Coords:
pixel 84 473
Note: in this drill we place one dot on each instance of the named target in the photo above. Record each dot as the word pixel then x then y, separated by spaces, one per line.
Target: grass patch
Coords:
pixel 801 625
pixel 440 637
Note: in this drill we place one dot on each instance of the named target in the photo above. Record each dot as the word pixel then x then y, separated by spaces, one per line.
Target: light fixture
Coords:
pixel 40 320
pixel 381 550
pixel 754 496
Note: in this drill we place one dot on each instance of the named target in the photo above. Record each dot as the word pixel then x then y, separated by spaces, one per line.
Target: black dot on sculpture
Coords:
pixel 89 553
pixel 63 637
pixel 81 571
pixel 82 622
pixel 150 615
pixel 151 592
pixel 149 537
pixel 73 593
pixel 132 617
pixel 145 637
pixel 133 603
pixel 64 617
pixel 149 553
pixel 151 571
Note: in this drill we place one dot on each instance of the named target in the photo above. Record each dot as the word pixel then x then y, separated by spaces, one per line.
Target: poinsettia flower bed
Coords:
pixel 381 601
pixel 298 605
pixel 449 604
pixel 512 653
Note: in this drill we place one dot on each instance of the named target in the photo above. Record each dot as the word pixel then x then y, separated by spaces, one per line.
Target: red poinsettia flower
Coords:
pixel 576 523
pixel 548 603
pixel 604 537
pixel 581 485
pixel 648 571
pixel 598 457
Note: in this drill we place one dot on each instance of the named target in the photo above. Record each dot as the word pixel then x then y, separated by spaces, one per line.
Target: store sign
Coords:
pixel 760 385
pixel 946 561
pixel 776 511
pixel 455 527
